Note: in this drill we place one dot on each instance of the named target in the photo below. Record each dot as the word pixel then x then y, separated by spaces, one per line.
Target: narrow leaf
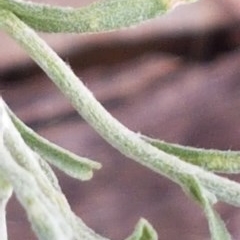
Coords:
pixel 71 164
pixel 100 16
pixel 126 141
pixel 143 231
pixel 47 208
pixel 212 160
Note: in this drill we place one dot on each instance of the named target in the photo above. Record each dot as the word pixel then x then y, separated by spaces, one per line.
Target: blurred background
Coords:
pixel 176 78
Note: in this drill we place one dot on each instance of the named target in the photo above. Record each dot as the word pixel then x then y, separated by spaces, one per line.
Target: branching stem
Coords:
pixel 126 141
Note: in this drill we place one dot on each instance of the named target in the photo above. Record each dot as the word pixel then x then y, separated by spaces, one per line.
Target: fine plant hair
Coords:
pixel 25 156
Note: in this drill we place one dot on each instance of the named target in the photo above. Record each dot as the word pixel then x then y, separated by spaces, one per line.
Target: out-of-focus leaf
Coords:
pixel 143 231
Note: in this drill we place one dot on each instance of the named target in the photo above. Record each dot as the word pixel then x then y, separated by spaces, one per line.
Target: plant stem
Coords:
pixel 126 141
pixel 5 194
pixel 47 208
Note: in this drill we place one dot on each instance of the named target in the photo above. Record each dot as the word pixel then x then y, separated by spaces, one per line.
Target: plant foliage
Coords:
pixel 24 155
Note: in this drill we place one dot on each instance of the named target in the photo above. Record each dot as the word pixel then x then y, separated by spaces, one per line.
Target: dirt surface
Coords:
pixel 181 86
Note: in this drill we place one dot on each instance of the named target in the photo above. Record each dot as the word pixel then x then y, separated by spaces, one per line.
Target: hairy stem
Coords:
pixel 47 208
pixel 126 141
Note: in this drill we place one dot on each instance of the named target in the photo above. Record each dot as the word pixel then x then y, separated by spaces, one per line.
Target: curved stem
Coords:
pixel 42 198
pixel 126 141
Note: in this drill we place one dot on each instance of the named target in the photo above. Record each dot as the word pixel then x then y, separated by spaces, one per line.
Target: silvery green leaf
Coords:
pixel 99 16
pixel 212 160
pixel 71 164
pixel 120 137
